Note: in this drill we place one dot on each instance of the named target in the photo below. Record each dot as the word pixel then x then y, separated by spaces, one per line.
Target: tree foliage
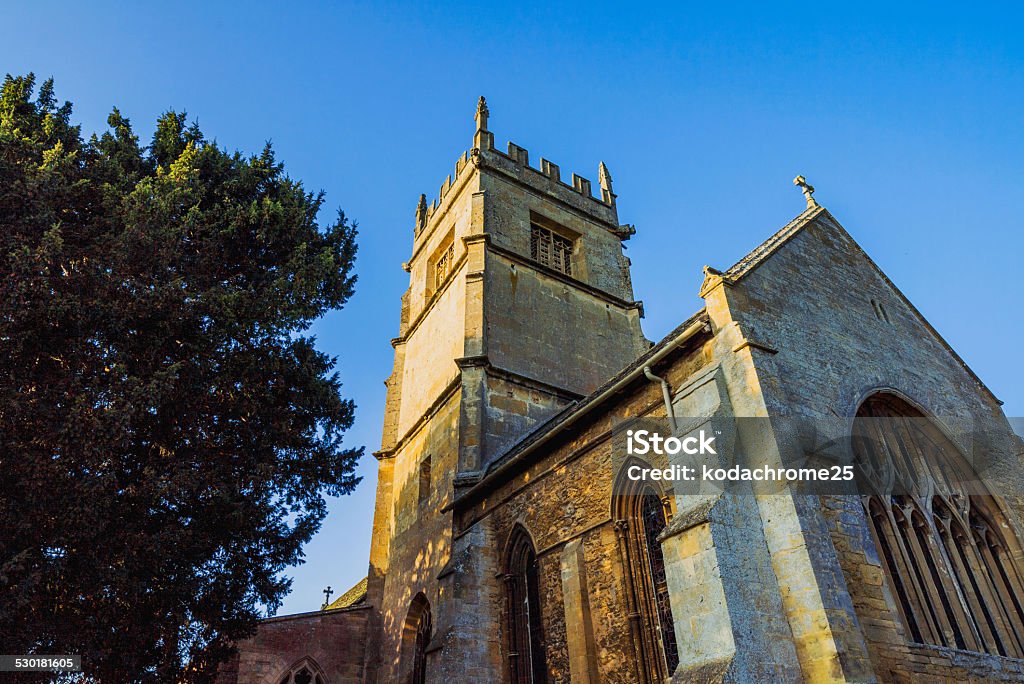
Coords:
pixel 167 431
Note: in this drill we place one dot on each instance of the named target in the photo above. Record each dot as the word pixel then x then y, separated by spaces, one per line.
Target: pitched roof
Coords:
pixel 591 400
pixel 760 253
pixel 764 250
pixel 352 597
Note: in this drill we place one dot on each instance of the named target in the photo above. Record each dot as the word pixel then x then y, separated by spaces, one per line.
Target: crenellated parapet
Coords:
pixel 514 165
pixel 426 212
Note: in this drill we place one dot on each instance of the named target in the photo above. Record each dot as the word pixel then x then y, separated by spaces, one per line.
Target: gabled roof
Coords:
pixel 760 254
pixel 764 250
pixel 741 268
pixel 352 597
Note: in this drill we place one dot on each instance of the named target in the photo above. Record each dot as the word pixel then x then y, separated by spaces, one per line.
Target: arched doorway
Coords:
pixel 416 634
pixel 525 648
pixel 640 512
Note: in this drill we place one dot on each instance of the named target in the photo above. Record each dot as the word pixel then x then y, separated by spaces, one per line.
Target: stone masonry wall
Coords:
pixel 811 301
pixel 563 498
pixel 333 640
pixel 419 545
pixel 546 328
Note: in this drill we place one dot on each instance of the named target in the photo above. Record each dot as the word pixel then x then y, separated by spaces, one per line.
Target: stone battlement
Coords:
pixel 515 165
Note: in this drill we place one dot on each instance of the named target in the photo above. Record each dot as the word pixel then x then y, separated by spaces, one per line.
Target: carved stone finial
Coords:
pixel 421 213
pixel 604 179
pixel 807 189
pixel 481 114
pixel 712 279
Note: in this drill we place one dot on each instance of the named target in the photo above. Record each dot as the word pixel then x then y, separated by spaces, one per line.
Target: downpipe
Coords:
pixel 666 393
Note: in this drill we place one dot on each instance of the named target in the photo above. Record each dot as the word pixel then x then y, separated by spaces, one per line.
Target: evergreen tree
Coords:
pixel 167 430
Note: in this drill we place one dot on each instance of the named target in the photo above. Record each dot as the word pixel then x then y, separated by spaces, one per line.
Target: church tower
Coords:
pixel 519 303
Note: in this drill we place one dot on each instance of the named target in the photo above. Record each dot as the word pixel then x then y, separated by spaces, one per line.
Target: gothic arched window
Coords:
pixel 303 672
pixel 947 563
pixel 416 634
pixel 640 514
pixel 525 641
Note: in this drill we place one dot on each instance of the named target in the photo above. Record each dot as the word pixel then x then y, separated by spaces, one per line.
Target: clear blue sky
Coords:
pixel 908 122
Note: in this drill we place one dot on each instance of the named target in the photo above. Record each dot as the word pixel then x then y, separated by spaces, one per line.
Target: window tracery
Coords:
pixel 303 672
pixel 947 562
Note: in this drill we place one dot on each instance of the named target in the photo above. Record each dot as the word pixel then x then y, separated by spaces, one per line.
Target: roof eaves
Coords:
pixel 588 402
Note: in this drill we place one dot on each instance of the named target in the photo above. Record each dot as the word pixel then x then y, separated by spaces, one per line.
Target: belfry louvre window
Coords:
pixel 551 249
pixel 443 266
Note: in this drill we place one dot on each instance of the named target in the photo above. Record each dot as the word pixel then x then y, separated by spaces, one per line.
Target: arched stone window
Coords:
pixel 416 634
pixel 948 562
pixel 525 633
pixel 305 671
pixel 641 512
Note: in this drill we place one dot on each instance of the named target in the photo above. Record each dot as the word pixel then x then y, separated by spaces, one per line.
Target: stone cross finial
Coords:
pixel 604 179
pixel 481 114
pixel 421 213
pixel 327 593
pixel 807 189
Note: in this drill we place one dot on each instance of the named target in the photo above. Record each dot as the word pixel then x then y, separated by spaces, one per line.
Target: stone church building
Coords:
pixel 508 545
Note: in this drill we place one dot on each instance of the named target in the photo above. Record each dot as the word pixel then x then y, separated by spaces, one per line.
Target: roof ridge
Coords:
pixel 355 595
pixel 757 255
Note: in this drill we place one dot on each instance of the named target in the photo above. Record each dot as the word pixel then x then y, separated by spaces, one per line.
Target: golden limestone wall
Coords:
pixel 562 497
pixel 420 538
pixel 820 347
pixel 490 345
